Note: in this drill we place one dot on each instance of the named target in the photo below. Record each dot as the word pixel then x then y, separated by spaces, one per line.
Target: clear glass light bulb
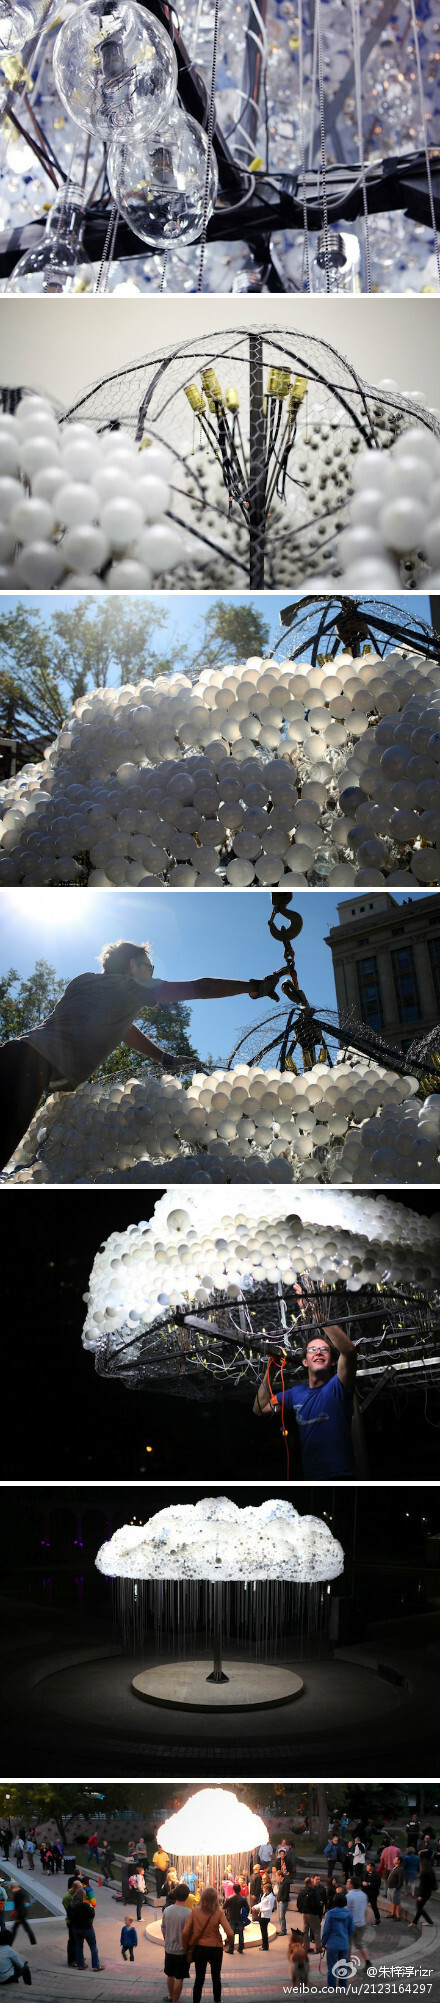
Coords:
pixel 158 182
pixel 336 265
pixel 59 262
pixel 114 67
pixel 16 24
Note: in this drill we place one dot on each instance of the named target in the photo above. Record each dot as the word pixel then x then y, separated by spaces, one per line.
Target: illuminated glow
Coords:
pixel 212 1823
pixel 217 1540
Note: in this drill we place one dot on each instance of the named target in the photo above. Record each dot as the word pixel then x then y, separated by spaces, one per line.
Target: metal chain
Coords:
pixel 211 121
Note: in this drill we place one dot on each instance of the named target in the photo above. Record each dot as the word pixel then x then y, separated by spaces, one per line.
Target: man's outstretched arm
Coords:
pixel 215 990
pixel 146 1048
pixel 262 1402
pixel 347 1357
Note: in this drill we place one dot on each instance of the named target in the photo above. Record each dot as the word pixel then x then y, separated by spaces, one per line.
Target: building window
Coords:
pixel 434 955
pixel 370 996
pixel 406 984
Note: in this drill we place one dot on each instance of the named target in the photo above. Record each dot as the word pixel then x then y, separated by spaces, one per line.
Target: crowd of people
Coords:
pixel 200 1922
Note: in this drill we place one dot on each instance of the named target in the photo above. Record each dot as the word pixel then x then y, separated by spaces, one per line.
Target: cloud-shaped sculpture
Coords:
pixel 217 1540
pixel 212 1822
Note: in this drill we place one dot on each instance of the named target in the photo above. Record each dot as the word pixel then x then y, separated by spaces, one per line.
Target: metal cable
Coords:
pixel 425 133
pixel 211 122
pixel 306 264
pixel 323 159
pixel 357 59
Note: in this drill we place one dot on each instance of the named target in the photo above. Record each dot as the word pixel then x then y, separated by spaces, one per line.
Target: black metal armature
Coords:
pixel 347 622
pixel 252 206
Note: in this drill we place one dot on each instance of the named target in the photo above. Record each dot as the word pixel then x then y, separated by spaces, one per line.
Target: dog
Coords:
pixel 298 1959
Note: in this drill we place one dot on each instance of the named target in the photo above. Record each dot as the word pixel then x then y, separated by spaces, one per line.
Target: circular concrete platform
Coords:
pixel 252 1935
pixel 185 1685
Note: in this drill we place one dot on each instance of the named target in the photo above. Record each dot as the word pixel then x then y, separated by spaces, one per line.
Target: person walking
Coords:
pixel 129 1939
pixel 203 1935
pixel 92 1846
pixel 81 1922
pixel 357 1903
pixel 173 1923
pixel 30 1853
pixel 426 1885
pixel 107 1860
pixel 95 1014
pixel 336 1937
pixel 371 1884
pixel 20 1903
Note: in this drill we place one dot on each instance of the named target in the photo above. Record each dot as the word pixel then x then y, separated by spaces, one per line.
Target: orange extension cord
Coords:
pixel 274 1403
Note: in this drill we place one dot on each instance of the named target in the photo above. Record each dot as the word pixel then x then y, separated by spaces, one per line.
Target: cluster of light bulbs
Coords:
pixel 73 502
pixel 393 531
pixel 268 1125
pixel 216 1539
pixel 403 1141
pixel 258 773
pixel 116 74
pixel 199 1244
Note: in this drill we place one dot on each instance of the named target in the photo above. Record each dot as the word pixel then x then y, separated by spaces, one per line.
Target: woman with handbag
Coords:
pixel 203 1937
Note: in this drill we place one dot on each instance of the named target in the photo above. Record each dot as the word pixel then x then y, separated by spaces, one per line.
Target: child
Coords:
pixel 129 1938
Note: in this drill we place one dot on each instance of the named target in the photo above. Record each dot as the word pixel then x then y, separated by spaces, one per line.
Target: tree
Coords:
pixel 169 1026
pixel 46 664
pixel 34 999
pixel 230 633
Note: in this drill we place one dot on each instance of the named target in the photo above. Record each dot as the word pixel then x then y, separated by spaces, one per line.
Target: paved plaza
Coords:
pixel 400 1957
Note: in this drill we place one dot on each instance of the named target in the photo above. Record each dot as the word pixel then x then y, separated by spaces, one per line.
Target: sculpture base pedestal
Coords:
pixel 251 1686
pixel 252 1935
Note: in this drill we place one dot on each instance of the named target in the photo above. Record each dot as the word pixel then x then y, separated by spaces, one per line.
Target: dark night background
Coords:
pixel 68 1424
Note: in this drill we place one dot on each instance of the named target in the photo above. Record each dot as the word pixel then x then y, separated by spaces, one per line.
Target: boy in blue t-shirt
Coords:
pixel 323 1407
pixel 129 1938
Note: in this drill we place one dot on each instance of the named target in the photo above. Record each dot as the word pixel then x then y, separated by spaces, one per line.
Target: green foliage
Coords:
pixel 33 1000
pixel 231 633
pixel 168 1026
pixel 46 666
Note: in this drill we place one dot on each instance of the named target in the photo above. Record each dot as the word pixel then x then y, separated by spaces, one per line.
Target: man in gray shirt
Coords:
pixel 95 1013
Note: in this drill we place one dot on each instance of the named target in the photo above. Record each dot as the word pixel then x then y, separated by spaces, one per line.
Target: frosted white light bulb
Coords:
pixel 114 67
pixel 159 181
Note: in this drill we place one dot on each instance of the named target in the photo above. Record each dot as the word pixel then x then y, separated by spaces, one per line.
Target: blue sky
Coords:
pixel 186 609
pixel 193 933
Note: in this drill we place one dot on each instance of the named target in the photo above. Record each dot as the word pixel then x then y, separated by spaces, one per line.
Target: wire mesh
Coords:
pixel 263 405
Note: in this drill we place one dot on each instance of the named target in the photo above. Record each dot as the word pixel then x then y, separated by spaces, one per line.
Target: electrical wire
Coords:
pixel 425 133
pixel 357 59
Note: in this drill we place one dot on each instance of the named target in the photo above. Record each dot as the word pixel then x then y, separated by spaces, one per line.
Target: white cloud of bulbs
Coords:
pixel 234 1126
pixel 196 1244
pixel 218 1540
pixel 263 773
